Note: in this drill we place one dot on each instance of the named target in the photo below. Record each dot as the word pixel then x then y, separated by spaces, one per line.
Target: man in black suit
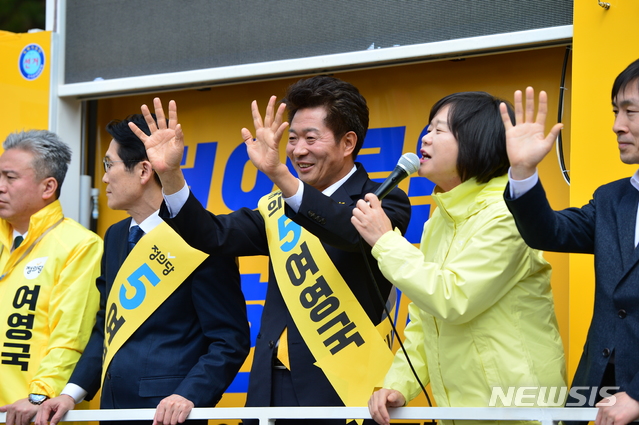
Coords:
pixel 329 120
pixel 608 228
pixel 190 347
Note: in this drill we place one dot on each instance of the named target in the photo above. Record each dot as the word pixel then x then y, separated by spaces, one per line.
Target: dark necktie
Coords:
pixel 17 241
pixel 135 233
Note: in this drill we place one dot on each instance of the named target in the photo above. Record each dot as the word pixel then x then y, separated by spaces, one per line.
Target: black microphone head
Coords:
pixel 407 165
pixel 409 162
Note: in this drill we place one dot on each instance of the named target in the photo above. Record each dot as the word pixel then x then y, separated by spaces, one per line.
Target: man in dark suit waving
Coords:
pixel 608 227
pixel 183 352
pixel 318 329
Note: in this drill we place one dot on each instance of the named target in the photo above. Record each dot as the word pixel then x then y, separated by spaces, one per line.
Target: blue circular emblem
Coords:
pixel 31 61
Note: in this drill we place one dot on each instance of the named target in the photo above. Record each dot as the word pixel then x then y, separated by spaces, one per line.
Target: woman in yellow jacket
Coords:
pixel 482 317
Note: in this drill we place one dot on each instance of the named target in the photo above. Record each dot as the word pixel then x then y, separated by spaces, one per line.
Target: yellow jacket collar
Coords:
pixel 469 197
pixel 38 223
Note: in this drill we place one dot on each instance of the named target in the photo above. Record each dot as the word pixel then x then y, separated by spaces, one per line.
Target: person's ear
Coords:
pixel 50 186
pixel 146 171
pixel 350 141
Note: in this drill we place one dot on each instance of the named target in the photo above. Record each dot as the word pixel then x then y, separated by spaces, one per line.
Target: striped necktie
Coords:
pixel 135 234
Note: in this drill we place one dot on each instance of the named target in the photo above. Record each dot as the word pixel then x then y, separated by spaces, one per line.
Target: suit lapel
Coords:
pixel 117 249
pixel 626 227
pixel 353 185
pixel 626 231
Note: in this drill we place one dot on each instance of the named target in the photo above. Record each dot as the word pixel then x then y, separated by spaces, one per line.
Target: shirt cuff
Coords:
pixel 75 391
pixel 176 201
pixel 519 188
pixel 295 201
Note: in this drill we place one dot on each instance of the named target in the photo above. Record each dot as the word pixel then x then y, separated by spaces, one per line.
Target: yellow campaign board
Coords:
pixel 221 176
pixel 25 64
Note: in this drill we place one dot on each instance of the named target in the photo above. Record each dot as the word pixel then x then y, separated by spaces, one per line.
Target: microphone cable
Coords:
pixel 560 113
pixel 401 344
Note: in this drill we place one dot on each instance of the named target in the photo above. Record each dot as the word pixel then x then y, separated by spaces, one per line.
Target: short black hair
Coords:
pixel 475 121
pixel 131 149
pixel 346 108
pixel 628 76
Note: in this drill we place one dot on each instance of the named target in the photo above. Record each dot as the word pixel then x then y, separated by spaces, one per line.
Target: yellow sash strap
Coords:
pixel 154 269
pixel 345 343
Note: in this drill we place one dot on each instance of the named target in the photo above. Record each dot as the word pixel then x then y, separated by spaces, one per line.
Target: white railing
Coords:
pixel 269 415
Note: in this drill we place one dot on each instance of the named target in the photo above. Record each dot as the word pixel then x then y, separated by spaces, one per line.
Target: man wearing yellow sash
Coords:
pixel 172 330
pixel 48 267
pixel 317 345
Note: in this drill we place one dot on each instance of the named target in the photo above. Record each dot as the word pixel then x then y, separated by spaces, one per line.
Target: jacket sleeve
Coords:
pixel 240 233
pixel 72 310
pixel 330 220
pixel 569 230
pixel 492 261
pixel 88 372
pixel 221 309
pixel 400 377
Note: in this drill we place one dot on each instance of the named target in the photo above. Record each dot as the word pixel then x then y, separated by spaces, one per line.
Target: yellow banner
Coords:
pixel 156 267
pixel 345 343
pixel 24 81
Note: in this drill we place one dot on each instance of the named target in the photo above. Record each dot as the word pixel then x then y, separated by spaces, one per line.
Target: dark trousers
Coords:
pixel 283 394
pixel 608 380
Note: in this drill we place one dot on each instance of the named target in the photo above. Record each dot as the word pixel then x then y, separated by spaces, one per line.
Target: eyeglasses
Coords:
pixel 109 163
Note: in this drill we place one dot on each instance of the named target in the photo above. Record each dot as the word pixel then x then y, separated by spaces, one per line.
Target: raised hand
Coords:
pixel 165 145
pixel 526 141
pixel 264 148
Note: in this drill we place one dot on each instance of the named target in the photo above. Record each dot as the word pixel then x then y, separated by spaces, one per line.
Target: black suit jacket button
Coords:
pixel 606 352
pixel 622 314
pixel 271 344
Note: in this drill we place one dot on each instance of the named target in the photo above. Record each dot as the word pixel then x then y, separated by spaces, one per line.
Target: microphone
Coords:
pixel 407 165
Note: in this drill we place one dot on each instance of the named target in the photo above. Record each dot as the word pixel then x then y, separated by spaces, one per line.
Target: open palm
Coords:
pixel 526 142
pixel 165 145
pixel 263 150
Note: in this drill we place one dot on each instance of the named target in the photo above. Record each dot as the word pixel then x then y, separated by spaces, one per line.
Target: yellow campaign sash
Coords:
pixel 345 343
pixel 152 271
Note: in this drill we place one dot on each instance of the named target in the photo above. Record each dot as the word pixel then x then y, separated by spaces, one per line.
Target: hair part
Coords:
pixel 628 76
pixel 475 121
pixel 346 108
pixel 51 156
pixel 130 148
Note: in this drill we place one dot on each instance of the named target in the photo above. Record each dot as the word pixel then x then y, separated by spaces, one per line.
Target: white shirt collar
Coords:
pixel 634 180
pixel 332 188
pixel 149 223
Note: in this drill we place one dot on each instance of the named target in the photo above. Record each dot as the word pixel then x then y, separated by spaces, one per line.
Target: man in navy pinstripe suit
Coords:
pixel 608 227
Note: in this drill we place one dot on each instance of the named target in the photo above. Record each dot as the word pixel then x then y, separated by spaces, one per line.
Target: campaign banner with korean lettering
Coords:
pixel 220 174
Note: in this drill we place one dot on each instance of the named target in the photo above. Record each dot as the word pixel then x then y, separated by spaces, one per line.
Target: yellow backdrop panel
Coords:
pixel 399 99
